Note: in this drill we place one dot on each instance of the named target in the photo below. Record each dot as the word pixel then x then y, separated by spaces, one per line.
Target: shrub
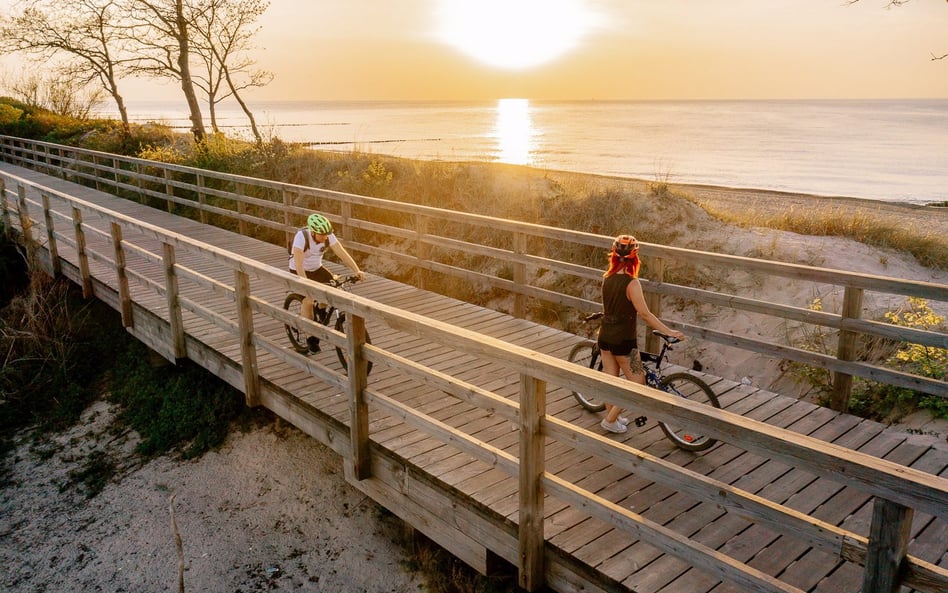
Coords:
pixel 872 399
pixel 173 407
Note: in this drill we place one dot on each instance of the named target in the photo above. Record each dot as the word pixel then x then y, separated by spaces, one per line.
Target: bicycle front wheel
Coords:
pixel 294 304
pixel 587 355
pixel 341 352
pixel 694 389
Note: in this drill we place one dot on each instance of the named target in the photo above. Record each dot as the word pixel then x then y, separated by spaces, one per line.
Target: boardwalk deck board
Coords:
pixel 638 565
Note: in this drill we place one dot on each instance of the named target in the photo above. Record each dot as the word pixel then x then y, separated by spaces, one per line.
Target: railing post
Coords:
pixel 125 297
pixel 422 250
pixel 654 301
pixel 54 265
pixel 169 189
pixel 888 543
pixel 241 208
pixel 202 199
pixel 140 183
pixel 532 467
pixel 346 211
pixel 3 204
pixel 47 168
pixel 286 217
pixel 81 253
pixel 248 354
pixel 95 171
pixel 26 225
pixel 519 274
pixel 178 346
pixel 358 408
pixel 846 349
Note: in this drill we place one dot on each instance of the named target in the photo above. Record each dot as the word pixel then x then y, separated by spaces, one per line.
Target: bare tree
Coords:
pixel 85 33
pixel 162 30
pixel 900 3
pixel 226 29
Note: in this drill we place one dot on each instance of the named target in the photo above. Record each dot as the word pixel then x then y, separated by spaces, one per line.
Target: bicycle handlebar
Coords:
pixel 593 316
pixel 342 281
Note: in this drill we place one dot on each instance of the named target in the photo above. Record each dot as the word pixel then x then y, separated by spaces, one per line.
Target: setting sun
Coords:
pixel 513 34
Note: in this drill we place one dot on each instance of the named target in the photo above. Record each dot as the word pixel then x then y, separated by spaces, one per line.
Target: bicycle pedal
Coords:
pixel 640 421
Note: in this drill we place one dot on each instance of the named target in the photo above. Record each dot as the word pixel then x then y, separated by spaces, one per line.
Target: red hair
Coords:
pixel 629 264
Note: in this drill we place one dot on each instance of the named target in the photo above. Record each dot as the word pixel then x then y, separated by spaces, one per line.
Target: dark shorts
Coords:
pixel 321 275
pixel 625 348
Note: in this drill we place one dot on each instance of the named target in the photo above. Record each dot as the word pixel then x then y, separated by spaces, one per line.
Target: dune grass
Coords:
pixel 929 249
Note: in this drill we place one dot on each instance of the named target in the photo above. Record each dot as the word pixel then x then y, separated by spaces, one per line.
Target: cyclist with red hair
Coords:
pixel 623 302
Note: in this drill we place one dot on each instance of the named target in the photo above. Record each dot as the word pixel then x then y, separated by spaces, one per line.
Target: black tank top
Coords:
pixel 619 319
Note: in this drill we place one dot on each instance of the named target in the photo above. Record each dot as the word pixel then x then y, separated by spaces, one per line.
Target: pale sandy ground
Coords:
pixel 270 511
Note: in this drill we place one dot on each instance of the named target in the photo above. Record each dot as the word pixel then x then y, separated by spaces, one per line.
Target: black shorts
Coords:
pixel 623 348
pixel 321 275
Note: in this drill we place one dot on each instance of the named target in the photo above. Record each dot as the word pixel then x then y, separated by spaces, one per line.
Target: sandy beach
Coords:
pixel 270 510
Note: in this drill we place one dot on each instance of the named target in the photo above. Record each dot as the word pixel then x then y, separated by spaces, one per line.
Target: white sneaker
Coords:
pixel 616 427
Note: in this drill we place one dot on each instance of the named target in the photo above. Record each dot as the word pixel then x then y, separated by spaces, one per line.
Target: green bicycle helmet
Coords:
pixel 319 224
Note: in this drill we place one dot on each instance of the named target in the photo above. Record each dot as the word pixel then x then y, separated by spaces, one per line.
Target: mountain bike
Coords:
pixel 328 316
pixel 683 385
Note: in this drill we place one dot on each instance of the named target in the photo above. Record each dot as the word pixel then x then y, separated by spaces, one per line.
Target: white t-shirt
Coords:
pixel 312 259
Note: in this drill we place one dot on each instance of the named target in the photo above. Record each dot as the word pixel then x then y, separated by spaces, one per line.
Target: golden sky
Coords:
pixel 597 49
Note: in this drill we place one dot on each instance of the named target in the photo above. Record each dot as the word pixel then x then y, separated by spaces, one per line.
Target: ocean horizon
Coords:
pixel 889 150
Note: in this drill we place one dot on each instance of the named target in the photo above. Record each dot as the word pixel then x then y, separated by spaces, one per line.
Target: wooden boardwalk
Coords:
pixel 601 557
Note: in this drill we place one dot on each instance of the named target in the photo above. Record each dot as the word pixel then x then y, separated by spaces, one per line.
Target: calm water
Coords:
pixel 884 150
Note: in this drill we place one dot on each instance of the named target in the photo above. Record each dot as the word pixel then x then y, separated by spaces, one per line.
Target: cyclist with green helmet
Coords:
pixel 307 260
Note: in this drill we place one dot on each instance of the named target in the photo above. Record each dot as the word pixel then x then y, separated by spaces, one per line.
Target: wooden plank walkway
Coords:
pixel 622 562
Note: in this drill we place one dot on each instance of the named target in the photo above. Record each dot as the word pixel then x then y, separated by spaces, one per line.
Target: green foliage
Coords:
pixel 891 402
pixel 872 399
pixel 9 114
pixel 173 407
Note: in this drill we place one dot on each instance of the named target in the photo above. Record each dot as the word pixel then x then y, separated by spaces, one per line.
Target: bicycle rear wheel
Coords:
pixel 341 352
pixel 587 355
pixel 294 304
pixel 694 389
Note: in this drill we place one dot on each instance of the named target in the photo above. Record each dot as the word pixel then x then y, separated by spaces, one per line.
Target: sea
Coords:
pixel 889 150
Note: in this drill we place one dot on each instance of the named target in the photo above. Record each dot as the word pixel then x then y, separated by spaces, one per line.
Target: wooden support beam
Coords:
pixel 26 224
pixel 125 297
pixel 54 265
pixel 846 349
pixel 241 208
pixel 83 257
pixel 422 250
pixel 889 535
pixel 169 189
pixel 178 346
pixel 358 409
pixel 248 353
pixel 656 272
pixel 532 467
pixel 519 275
pixel 202 198
pixel 3 204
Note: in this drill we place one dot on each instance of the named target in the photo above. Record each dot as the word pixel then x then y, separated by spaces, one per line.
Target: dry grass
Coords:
pixel 917 231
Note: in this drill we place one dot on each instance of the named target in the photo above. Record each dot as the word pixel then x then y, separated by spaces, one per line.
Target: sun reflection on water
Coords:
pixel 514 131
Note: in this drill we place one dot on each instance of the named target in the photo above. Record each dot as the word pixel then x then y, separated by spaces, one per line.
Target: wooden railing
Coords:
pixel 132 266
pixel 433 240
